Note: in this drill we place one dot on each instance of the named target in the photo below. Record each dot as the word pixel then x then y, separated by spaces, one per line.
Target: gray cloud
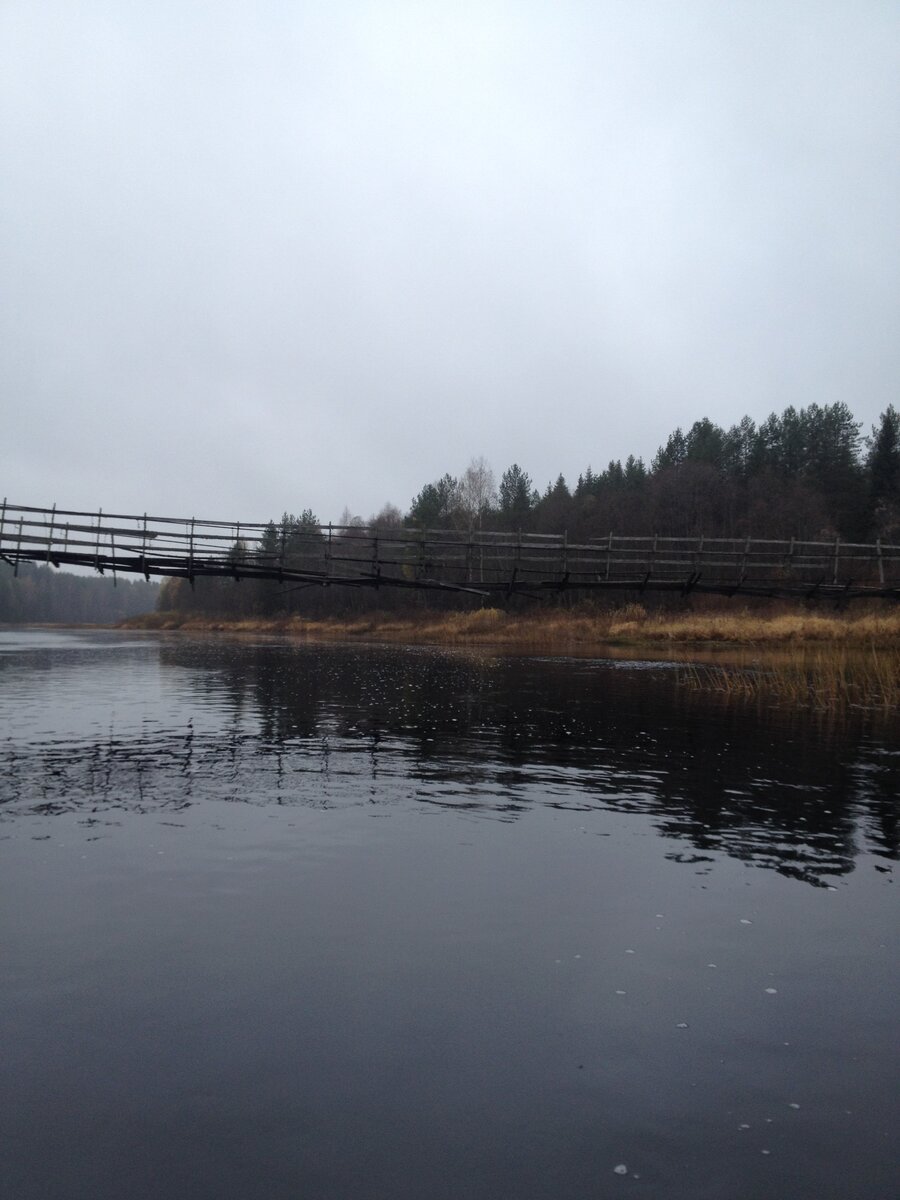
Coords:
pixel 264 257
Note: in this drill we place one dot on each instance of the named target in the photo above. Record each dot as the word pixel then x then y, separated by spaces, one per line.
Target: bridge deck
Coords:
pixel 484 562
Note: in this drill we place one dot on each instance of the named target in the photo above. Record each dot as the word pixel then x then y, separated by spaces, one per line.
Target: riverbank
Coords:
pixel 830 662
pixel 559 629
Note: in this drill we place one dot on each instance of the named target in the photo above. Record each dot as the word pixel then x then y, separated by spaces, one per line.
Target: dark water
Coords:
pixel 292 921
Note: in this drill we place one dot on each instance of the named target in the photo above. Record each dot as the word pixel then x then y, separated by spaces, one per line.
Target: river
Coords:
pixel 284 920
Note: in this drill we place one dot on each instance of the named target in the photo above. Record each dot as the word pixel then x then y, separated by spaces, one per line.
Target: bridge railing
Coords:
pixel 483 561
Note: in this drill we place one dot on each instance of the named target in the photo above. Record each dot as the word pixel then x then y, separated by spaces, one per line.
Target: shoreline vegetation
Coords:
pixel 585 627
pixel 786 655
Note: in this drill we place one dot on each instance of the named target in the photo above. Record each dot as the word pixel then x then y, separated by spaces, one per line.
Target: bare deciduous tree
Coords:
pixel 477 492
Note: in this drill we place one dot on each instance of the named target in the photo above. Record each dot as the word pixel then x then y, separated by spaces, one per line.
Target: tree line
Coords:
pixel 808 473
pixel 42 594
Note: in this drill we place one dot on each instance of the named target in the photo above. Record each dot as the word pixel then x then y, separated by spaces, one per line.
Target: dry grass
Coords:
pixel 828 678
pixel 741 627
pixel 628 625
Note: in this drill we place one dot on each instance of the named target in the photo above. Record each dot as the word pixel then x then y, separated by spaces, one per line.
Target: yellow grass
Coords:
pixel 628 625
pixel 746 628
pixel 833 678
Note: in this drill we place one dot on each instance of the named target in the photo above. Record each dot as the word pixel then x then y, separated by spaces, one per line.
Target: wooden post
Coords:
pixel 18 551
pixel 689 582
pixel 2 523
pixel 191 556
pixel 608 553
pixel 50 531
pixel 97 551
pixel 144 550
pixel 517 559
pixel 880 562
pixel 837 547
pixel 237 553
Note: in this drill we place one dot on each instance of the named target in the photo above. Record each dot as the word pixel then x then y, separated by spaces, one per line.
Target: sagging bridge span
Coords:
pixel 482 562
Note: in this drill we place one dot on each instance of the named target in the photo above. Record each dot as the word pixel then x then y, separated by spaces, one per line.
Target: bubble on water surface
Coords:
pixel 629 952
pixel 682 1025
pixel 771 991
pixel 744 921
pixel 621 1169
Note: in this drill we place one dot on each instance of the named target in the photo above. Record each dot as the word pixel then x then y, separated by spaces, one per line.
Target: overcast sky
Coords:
pixel 261 256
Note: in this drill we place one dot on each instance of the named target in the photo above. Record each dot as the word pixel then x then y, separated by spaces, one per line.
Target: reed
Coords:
pixel 835 678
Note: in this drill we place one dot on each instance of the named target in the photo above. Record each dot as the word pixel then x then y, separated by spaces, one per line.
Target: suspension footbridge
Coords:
pixel 487 563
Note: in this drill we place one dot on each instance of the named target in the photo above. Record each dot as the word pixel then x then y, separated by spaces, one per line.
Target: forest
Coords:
pixel 808 473
pixel 43 595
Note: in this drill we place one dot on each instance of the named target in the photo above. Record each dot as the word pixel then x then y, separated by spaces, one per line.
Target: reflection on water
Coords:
pixel 285 920
pixel 274 723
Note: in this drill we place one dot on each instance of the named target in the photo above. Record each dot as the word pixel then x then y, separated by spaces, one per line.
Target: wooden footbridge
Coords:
pixel 485 563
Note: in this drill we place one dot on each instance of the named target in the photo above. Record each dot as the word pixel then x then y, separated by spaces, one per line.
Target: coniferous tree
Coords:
pixel 672 454
pixel 883 469
pixel 436 503
pixel 635 473
pixel 516 502
pixel 705 442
